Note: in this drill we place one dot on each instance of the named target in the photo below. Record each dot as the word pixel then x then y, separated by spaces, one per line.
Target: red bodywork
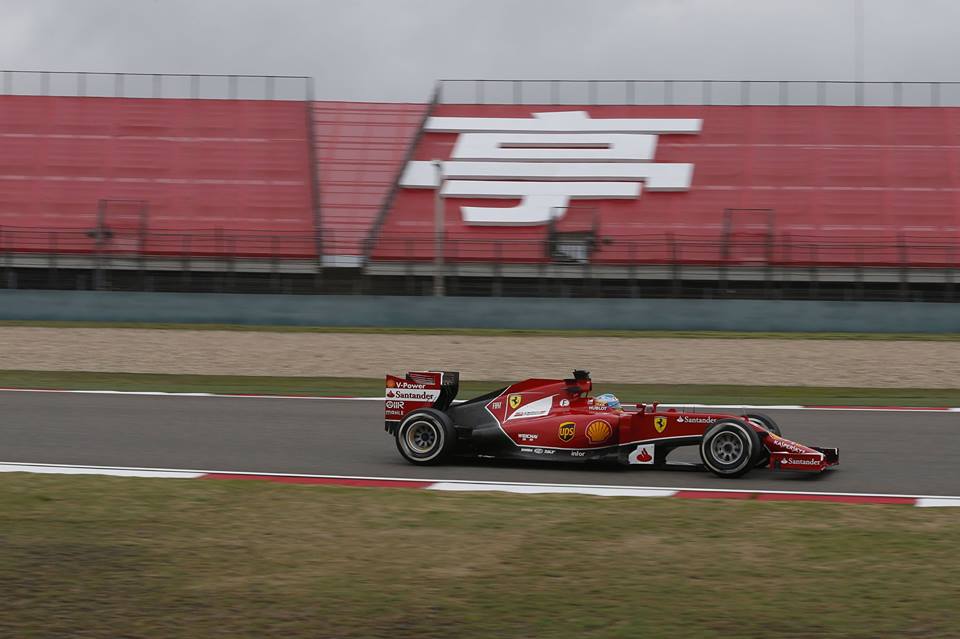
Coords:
pixel 579 425
pixel 558 420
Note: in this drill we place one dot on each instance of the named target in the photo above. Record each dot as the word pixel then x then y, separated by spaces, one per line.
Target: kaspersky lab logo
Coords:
pixel 548 160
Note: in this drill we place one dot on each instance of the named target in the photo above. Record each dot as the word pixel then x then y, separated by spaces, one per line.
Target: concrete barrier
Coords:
pixel 481 312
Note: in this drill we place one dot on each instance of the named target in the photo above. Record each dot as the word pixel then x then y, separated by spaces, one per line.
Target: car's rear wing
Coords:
pixel 418 389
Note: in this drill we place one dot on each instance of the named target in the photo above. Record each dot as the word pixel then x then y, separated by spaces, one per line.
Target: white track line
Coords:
pixel 878 409
pixel 443 484
pixel 84 470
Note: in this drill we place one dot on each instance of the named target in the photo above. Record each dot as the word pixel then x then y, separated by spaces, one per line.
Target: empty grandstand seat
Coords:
pixel 235 167
pixel 847 185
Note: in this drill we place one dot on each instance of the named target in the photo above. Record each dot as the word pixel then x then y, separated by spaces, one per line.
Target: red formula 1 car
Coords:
pixel 557 420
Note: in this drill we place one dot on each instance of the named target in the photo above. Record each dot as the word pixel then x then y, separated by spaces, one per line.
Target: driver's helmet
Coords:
pixel 607 401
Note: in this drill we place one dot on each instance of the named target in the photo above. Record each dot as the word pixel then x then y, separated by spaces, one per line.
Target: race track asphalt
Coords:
pixel 910 453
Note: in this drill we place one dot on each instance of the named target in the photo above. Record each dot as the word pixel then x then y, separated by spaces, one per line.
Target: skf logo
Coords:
pixel 515 401
pixel 598 431
pixel 660 423
pixel 567 431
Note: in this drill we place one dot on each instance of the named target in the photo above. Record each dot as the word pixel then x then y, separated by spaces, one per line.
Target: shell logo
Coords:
pixel 598 431
pixel 391 383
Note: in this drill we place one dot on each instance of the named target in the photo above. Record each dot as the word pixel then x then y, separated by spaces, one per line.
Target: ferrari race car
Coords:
pixel 558 420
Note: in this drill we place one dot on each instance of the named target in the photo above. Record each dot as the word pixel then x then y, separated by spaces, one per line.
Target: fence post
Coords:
pixel 186 248
pixel 674 263
pixel 904 255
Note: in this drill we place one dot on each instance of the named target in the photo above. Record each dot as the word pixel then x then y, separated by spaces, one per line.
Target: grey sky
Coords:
pixel 395 49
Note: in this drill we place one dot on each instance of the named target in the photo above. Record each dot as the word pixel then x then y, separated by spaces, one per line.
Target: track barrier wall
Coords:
pixel 477 312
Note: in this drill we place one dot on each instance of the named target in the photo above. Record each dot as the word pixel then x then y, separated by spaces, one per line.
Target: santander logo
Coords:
pixel 548 160
pixel 643 454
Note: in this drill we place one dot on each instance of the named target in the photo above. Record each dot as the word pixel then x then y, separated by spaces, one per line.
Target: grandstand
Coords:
pixel 548 188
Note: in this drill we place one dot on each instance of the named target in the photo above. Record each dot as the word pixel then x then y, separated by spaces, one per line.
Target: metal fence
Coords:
pixel 901 250
pixel 699 92
pixel 156 85
pixel 740 248
pixel 668 265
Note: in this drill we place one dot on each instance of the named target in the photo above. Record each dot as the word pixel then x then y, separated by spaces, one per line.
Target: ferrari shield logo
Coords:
pixel 566 431
pixel 660 423
pixel 515 401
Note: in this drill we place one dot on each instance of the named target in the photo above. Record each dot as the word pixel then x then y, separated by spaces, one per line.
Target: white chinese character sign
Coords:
pixel 549 159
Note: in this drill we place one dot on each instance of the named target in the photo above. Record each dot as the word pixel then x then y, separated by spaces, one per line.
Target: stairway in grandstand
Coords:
pixel 360 147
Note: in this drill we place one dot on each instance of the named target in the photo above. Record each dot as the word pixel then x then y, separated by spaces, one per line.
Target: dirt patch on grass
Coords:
pixel 878 364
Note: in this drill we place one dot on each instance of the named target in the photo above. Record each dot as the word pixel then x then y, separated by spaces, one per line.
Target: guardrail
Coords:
pixel 699 92
pixel 899 250
pixel 156 85
pixel 740 248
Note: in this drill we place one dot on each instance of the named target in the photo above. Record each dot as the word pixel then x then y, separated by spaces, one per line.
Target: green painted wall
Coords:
pixel 481 312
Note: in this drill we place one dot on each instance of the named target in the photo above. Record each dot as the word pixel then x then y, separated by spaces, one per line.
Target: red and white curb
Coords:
pixel 477 486
pixel 887 409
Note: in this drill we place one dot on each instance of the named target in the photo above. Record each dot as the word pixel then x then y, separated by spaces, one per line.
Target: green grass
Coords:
pixel 495 332
pixel 111 557
pixel 674 393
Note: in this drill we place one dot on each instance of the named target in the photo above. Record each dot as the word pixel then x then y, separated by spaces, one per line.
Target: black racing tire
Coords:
pixel 730 448
pixel 426 436
pixel 764 421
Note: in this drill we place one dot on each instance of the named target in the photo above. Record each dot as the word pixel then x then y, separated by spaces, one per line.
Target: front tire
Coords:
pixel 765 422
pixel 730 448
pixel 426 436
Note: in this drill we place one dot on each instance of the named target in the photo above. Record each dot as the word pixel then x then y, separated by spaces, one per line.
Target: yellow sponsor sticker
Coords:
pixel 598 431
pixel 566 431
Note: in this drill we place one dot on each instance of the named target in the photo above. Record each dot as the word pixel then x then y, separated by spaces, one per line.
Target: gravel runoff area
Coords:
pixel 802 362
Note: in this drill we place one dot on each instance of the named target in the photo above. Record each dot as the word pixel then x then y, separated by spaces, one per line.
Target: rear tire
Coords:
pixel 426 436
pixel 730 448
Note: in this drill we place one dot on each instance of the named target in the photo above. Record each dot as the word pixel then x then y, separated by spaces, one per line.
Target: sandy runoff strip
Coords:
pixel 879 364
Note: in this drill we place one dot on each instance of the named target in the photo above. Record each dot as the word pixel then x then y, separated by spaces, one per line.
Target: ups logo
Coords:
pixel 515 401
pixel 567 431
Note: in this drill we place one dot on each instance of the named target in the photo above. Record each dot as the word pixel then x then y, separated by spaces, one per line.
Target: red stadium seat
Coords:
pixel 234 167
